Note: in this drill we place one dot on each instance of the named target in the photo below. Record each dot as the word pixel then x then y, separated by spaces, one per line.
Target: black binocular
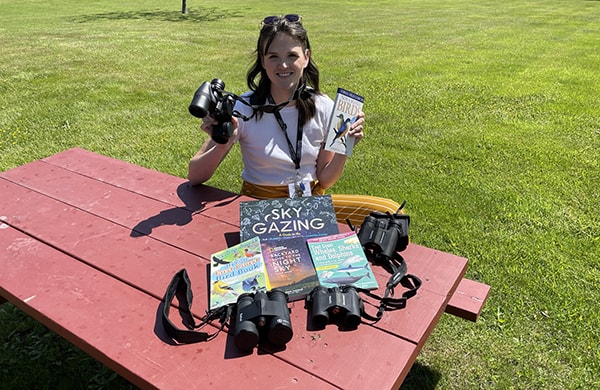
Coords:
pixel 384 233
pixel 339 305
pixel 211 99
pixel 262 317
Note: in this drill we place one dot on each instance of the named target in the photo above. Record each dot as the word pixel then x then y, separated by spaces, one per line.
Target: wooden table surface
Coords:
pixel 89 244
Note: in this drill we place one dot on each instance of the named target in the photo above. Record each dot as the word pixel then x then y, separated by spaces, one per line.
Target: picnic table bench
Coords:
pixel 88 245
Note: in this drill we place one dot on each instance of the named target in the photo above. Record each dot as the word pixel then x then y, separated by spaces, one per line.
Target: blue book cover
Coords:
pixel 345 109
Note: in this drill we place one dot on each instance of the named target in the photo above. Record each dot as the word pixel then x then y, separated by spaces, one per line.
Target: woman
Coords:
pixel 282 153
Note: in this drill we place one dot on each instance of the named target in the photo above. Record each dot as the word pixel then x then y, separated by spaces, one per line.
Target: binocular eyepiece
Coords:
pixel 385 234
pixel 262 317
pixel 340 305
pixel 211 99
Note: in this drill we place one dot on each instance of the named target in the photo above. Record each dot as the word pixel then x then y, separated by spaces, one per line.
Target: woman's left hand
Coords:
pixel 357 129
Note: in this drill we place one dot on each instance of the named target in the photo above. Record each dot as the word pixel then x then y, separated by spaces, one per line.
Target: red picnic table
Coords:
pixel 88 245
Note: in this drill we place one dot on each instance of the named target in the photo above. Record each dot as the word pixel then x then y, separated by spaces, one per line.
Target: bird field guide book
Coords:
pixel 341 261
pixel 346 107
pixel 289 266
pixel 237 270
pixel 273 219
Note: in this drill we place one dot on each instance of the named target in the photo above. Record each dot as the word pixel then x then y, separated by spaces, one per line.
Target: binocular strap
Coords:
pixel 399 276
pixel 180 287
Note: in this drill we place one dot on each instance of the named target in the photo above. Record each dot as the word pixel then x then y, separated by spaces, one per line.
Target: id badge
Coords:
pixel 299 188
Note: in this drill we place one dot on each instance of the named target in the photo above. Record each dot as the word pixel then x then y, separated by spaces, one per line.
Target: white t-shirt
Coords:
pixel 265 152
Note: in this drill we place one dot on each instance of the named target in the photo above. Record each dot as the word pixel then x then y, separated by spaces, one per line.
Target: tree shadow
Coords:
pixel 204 14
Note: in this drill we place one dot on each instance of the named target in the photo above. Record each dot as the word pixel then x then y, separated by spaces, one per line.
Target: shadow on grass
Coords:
pixel 200 15
pixel 421 377
pixel 34 357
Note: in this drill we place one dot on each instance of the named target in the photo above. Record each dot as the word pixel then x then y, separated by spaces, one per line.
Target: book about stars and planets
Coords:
pixel 273 219
pixel 346 107
pixel 341 261
pixel 237 270
pixel 289 266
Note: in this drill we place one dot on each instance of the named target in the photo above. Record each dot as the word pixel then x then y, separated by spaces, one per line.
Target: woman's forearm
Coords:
pixel 329 172
pixel 205 162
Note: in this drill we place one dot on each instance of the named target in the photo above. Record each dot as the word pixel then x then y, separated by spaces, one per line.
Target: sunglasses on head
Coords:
pixel 272 20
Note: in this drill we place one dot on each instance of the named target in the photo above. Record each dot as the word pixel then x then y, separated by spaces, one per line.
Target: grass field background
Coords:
pixel 483 115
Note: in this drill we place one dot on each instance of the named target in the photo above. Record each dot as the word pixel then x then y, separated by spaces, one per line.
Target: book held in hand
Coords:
pixel 273 219
pixel 341 261
pixel 346 107
pixel 237 270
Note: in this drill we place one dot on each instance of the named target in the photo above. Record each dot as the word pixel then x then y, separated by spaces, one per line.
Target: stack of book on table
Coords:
pixel 292 244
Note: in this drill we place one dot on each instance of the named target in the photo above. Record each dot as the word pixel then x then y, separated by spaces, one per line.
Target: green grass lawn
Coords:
pixel 483 115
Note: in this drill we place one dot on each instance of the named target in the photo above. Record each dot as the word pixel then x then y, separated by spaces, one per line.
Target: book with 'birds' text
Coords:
pixel 346 107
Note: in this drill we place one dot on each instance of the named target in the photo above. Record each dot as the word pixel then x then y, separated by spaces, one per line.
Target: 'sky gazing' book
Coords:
pixel 345 110
pixel 273 219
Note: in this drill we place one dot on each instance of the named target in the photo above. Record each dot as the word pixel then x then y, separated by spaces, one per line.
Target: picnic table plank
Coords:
pixel 115 323
pixel 149 264
pixel 154 184
pixel 468 299
pixel 143 215
pixel 99 242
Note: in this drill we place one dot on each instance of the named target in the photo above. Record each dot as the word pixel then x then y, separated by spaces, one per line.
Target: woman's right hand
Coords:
pixel 207 159
pixel 208 122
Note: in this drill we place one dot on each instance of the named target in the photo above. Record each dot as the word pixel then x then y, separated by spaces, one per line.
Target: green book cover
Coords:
pixel 341 261
pixel 237 270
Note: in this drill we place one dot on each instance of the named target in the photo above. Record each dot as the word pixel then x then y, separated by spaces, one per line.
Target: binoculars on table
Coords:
pixel 261 317
pixel 384 233
pixel 339 305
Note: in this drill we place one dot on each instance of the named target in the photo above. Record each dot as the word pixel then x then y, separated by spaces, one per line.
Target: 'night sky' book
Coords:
pixel 289 266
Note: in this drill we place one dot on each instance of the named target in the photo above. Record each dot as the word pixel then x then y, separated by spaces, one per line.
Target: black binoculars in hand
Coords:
pixel 211 99
pixel 262 317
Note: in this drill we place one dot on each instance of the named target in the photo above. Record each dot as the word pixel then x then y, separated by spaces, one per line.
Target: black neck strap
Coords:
pixel 181 288
pixel 295 154
pixel 397 267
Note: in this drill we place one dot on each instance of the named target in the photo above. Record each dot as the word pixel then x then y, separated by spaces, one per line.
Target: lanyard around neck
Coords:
pixel 296 154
